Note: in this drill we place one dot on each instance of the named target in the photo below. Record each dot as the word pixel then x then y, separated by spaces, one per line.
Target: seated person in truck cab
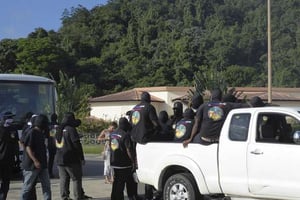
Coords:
pixel 274 128
pixel 210 117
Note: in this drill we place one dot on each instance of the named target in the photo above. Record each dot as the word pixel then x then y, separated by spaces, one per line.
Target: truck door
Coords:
pixel 273 158
pixel 232 154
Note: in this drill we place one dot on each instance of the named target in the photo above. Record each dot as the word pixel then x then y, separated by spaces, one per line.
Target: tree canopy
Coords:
pixel 136 43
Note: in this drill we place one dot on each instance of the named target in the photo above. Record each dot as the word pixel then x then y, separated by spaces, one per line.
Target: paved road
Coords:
pixel 93 183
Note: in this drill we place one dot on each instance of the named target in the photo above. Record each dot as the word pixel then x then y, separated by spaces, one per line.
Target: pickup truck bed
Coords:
pixel 254 159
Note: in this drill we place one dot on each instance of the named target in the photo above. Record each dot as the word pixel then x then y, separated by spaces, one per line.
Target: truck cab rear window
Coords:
pixel 239 126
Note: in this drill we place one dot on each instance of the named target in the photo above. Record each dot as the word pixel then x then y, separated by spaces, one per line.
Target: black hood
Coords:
pixel 124 124
pixel 69 119
pixel 41 121
pixel 188 113
pixel 145 97
pixel 177 105
pixel 197 101
pixel 256 101
pixel 229 98
pixel 163 116
pixel 216 95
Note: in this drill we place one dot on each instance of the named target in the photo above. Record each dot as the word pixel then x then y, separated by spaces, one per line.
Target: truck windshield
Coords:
pixel 27 96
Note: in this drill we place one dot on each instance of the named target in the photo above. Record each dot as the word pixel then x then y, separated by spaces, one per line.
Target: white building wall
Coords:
pixel 168 96
pixel 114 110
pixel 111 111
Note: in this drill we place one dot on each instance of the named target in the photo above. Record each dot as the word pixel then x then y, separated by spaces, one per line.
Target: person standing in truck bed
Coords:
pixel 144 121
pixel 145 128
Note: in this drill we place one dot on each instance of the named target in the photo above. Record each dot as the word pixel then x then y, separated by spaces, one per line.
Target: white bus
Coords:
pixel 21 94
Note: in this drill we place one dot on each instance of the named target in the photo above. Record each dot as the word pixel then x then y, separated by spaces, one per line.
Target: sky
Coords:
pixel 18 18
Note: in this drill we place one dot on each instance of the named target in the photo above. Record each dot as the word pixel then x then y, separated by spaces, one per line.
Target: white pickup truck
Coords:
pixel 257 157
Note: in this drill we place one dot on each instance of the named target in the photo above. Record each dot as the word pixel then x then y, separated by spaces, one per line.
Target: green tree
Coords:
pixel 72 97
pixel 40 56
pixel 8 62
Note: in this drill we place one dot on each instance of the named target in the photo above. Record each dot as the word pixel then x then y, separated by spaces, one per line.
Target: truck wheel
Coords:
pixel 181 187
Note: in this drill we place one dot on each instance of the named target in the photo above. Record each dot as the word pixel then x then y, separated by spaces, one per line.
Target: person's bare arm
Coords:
pixel 194 132
pixel 30 153
pixel 101 137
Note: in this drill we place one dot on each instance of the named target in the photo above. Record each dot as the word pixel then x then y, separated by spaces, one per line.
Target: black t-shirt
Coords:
pixel 25 131
pixel 119 143
pixel 53 128
pixel 174 120
pixel 141 119
pixel 69 149
pixel 183 129
pixel 212 116
pixel 35 139
pixel 166 133
pixel 8 141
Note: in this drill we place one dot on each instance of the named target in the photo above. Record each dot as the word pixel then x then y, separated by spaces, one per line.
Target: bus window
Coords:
pixel 21 96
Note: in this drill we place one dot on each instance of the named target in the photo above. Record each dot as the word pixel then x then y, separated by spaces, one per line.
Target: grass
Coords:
pixel 92 148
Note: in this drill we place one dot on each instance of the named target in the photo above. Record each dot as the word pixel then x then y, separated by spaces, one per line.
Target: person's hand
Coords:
pixel 37 164
pixel 133 168
pixel 186 142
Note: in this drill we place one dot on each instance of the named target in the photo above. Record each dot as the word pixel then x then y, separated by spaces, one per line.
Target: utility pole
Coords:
pixel 269 54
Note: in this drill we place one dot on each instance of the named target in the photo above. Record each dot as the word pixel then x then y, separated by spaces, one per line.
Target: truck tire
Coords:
pixel 181 186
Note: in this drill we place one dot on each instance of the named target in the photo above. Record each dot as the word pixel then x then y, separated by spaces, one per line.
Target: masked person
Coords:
pixel 122 162
pixel 145 127
pixel 29 118
pixel 8 141
pixel 144 121
pixel 184 127
pixel 51 143
pixel 178 114
pixel 35 159
pixel 166 133
pixel 70 157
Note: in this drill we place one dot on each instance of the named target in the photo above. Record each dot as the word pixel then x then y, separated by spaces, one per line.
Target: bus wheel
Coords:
pixel 181 186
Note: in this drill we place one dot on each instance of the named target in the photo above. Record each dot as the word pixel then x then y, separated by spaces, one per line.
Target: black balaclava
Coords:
pixel 178 108
pixel 256 101
pixel 145 97
pixel 229 98
pixel 124 124
pixel 68 119
pixel 188 113
pixel 41 121
pixel 53 117
pixel 216 95
pixel 197 101
pixel 163 116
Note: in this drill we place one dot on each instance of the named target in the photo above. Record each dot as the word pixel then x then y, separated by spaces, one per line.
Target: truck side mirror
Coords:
pixel 296 137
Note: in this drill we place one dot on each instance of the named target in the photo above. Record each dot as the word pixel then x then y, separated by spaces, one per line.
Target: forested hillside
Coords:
pixel 136 43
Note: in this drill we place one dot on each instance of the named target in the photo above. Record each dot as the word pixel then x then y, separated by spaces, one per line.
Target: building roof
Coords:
pixel 278 94
pixel 128 95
